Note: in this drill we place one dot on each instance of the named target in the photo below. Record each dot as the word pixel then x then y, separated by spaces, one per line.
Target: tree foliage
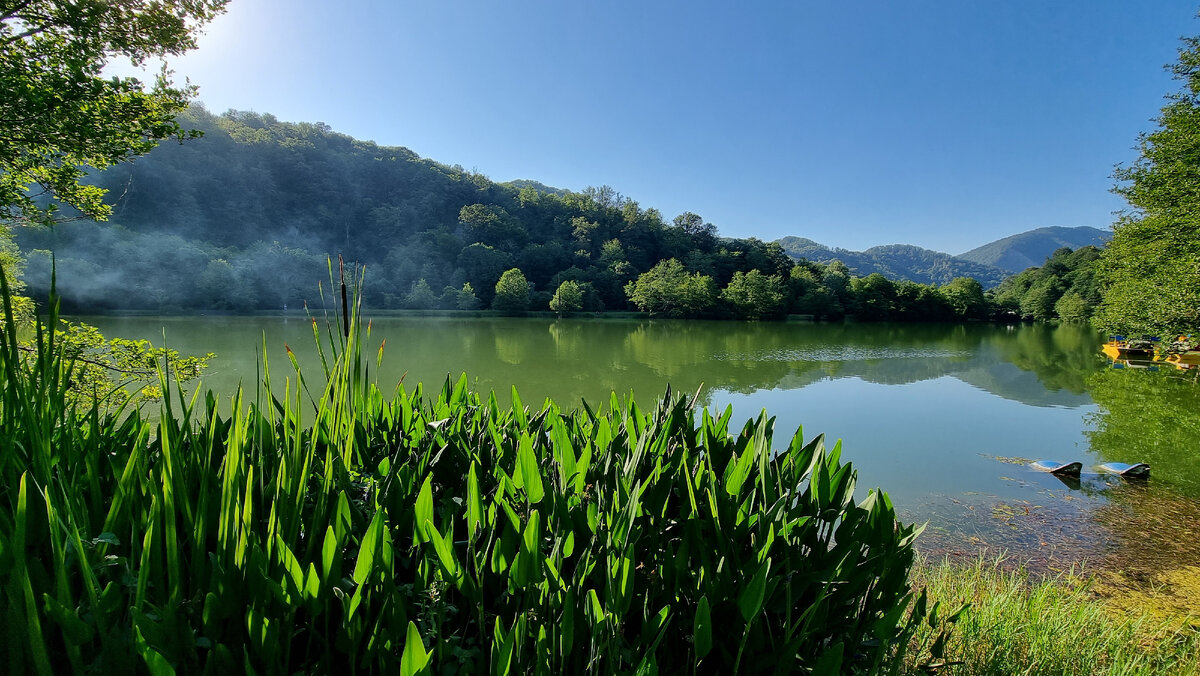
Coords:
pixel 1151 269
pixel 754 295
pixel 1036 292
pixel 568 297
pixel 61 115
pixel 668 289
pixel 512 292
pixel 964 296
pixel 421 297
pixel 58 117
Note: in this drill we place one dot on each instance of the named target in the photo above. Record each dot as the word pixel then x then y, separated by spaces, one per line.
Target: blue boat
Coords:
pixel 1138 470
pixel 1061 469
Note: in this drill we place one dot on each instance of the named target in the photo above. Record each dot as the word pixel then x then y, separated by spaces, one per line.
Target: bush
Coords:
pixel 435 532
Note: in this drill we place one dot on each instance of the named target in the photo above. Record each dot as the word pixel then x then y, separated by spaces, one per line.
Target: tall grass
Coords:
pixel 1019 625
pixel 429 531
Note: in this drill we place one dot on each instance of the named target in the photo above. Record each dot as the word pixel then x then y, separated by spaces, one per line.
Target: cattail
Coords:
pixel 345 305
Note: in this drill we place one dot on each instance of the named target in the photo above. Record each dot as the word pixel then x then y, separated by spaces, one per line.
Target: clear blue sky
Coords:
pixel 945 124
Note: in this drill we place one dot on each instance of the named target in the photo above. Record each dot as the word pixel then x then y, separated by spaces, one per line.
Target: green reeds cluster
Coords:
pixel 335 530
pixel 1020 625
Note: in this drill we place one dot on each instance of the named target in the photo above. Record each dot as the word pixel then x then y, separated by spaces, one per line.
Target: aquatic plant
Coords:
pixel 334 529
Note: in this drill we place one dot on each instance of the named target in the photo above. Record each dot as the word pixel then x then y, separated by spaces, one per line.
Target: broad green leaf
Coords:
pixel 541 647
pixel 423 509
pixel 582 467
pixel 655 628
pixel 739 472
pixel 415 658
pixel 445 553
pixel 531 476
pixel 366 550
pixel 528 568
pixel 342 524
pixel 765 549
pixel 505 551
pixel 312 583
pixel 702 628
pixel 625 577
pixel 290 564
pixel 474 503
pixel 155 662
pixel 329 552
pixel 751 599
pixel 502 649
pixel 566 625
pixel 595 610
pixel 75 630
pixel 830 662
pixel 518 410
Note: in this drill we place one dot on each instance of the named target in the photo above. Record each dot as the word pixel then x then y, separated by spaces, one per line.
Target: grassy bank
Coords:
pixel 1071 624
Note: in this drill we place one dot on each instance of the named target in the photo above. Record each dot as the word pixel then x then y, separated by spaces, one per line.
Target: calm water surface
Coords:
pixel 943 417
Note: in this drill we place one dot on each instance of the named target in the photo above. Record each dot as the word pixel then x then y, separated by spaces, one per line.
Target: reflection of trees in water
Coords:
pixel 1149 416
pixel 514 347
pixel 1061 355
pixel 745 357
pixel 574 358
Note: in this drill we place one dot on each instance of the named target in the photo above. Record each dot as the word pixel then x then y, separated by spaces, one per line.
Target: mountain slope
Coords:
pixel 1030 249
pixel 245 217
pixel 896 262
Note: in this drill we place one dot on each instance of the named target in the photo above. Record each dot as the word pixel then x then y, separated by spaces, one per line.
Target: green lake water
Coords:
pixel 943 417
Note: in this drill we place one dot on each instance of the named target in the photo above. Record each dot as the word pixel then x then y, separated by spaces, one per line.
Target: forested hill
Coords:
pixel 1030 249
pixel 897 262
pixel 244 218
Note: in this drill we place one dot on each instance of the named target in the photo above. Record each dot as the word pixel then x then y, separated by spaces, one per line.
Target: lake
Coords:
pixel 943 417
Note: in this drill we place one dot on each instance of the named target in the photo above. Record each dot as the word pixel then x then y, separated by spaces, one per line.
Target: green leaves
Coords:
pixel 365 564
pixel 533 541
pixel 415 659
pixel 62 114
pixel 702 636
pixel 531 477
pixel 668 289
pixel 751 599
pixel 1149 273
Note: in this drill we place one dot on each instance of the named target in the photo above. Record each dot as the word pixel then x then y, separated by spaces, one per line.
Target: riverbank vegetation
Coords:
pixel 1019 624
pixel 166 273
pixel 1150 271
pixel 437 530
pixel 1065 287
pixel 336 528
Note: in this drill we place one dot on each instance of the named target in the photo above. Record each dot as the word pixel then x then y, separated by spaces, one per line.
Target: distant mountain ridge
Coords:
pixel 1030 249
pixel 896 262
pixel 989 263
pixel 537 186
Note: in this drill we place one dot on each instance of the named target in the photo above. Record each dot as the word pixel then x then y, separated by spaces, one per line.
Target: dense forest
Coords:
pixel 247 217
pixel 1064 288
